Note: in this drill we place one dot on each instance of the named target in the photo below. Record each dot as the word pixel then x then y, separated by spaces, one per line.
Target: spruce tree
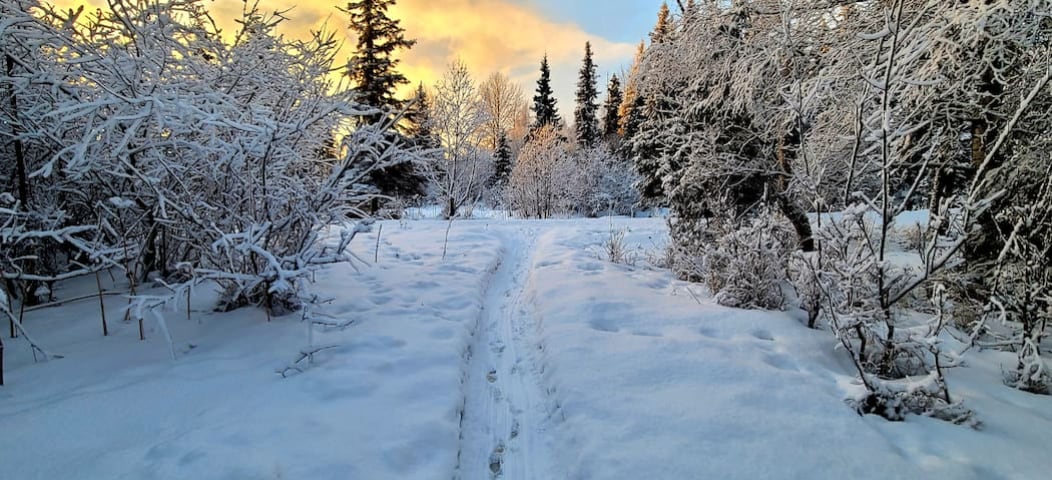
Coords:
pixel 545 111
pixel 586 121
pixel 646 119
pixel 631 123
pixel 639 145
pixel 612 109
pixel 631 94
pixel 372 67
pixel 690 10
pixel 663 28
pixel 417 123
pixel 372 70
pixel 501 161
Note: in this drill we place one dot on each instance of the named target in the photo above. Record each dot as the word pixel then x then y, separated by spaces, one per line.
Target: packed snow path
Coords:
pixel 506 415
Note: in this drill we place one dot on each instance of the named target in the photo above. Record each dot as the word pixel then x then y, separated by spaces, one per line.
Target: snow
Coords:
pixel 122 203
pixel 384 404
pixel 506 418
pixel 434 212
pixel 523 352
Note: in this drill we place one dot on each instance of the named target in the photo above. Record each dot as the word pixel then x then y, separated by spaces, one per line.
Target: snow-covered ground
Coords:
pixel 523 354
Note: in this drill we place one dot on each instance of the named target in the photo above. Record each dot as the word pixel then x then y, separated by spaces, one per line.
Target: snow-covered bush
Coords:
pixel 743 261
pixel 804 275
pixel 1022 279
pixel 870 108
pixel 616 251
pixel 896 349
pixel 604 184
pixel 542 180
pixel 458 119
pixel 184 157
pixel 746 267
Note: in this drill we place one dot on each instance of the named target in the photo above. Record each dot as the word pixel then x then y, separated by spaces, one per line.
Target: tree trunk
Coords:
pixel 20 158
pixel 150 258
pixel 788 146
pixel 987 245
pixel 801 224
pixel 21 177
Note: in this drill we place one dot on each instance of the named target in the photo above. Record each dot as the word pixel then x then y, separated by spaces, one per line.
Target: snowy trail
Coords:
pixel 505 421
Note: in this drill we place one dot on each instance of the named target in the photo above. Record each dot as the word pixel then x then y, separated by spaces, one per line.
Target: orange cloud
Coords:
pixel 496 35
pixel 487 35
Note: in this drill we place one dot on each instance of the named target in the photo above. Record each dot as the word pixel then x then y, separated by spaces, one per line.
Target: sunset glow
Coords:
pixel 507 36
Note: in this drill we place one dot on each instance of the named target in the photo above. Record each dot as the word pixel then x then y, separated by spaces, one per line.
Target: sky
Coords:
pixel 509 36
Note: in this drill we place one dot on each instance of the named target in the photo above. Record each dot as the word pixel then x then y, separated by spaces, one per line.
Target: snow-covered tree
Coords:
pixel 611 121
pixel 30 86
pixel 604 183
pixel 504 103
pixel 650 122
pixel 545 112
pixel 1021 284
pixel 501 163
pixel 761 111
pixel 458 120
pixel 540 180
pixel 417 123
pixel 630 112
pixel 906 127
pixel 586 113
pixel 664 26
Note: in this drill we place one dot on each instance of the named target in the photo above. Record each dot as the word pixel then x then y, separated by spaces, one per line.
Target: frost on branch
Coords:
pixel 746 266
pixel 540 184
pixel 894 343
pixel 146 143
pixel 1022 280
pixel 858 112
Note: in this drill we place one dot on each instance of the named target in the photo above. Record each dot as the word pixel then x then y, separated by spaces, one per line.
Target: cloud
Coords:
pixel 498 35
pixel 488 35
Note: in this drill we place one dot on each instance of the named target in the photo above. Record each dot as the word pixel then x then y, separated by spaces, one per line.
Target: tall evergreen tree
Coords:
pixel 690 10
pixel 586 118
pixel 663 28
pixel 647 119
pixel 372 70
pixel 417 125
pixel 641 147
pixel 545 112
pixel 501 161
pixel 631 93
pixel 372 67
pixel 612 109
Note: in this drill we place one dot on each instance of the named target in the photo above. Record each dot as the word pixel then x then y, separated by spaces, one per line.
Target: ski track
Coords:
pixel 506 420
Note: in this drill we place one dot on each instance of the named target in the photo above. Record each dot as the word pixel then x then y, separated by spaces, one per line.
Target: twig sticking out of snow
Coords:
pixel 303 361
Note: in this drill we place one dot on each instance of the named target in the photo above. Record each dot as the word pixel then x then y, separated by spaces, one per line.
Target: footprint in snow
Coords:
pixel 763 335
pixel 710 333
pixel 496 460
pixel 603 325
pixel 380 299
pixel 781 362
pixel 590 267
